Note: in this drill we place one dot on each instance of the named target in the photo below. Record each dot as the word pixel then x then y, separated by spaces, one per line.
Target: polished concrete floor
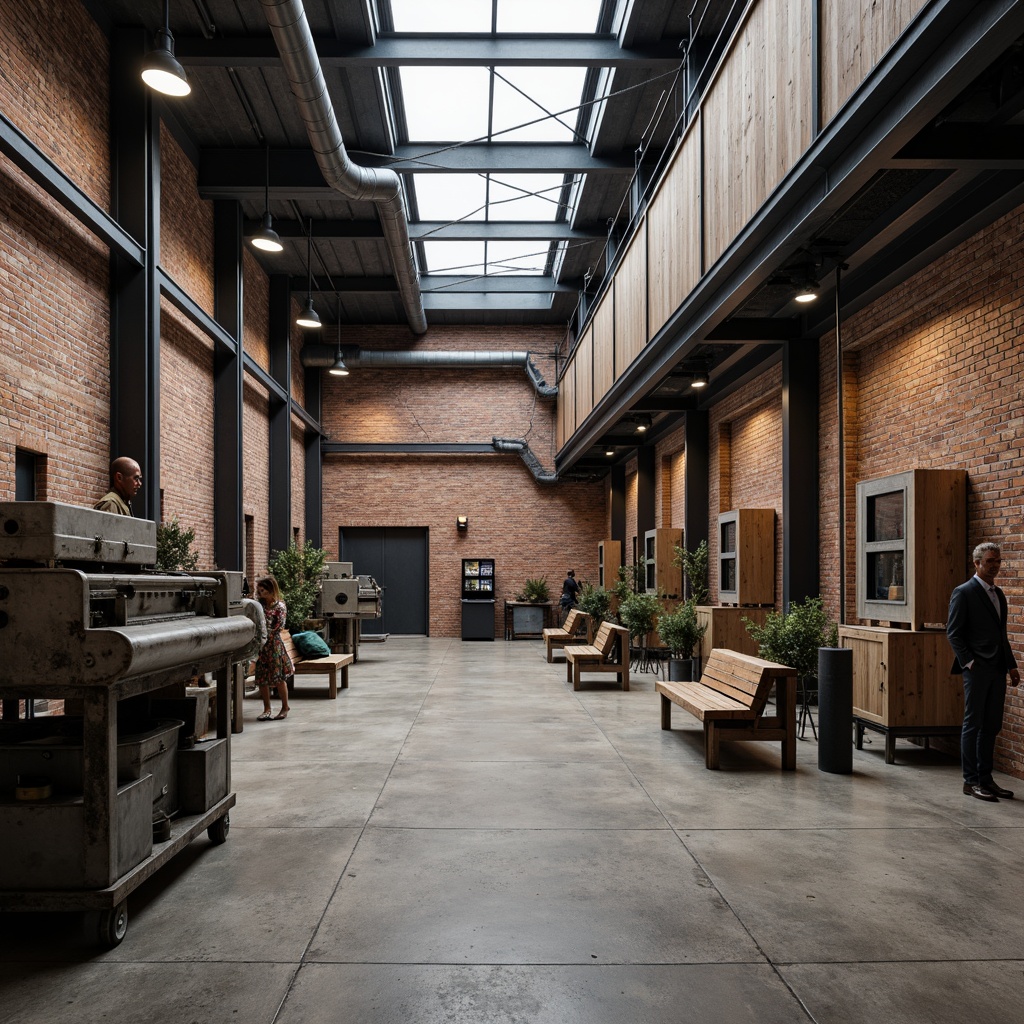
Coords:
pixel 460 838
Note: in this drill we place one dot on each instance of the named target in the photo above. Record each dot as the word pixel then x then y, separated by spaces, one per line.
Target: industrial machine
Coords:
pixel 345 600
pixel 103 795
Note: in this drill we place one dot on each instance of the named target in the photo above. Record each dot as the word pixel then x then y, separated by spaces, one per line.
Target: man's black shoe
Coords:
pixel 991 787
pixel 980 792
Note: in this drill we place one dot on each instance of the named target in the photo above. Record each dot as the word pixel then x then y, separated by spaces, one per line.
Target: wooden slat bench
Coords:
pixel 730 700
pixel 568 632
pixel 329 665
pixel 600 656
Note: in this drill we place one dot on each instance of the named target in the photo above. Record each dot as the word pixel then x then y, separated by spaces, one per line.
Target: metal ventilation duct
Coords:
pixel 540 474
pixel 324 356
pixel 288 25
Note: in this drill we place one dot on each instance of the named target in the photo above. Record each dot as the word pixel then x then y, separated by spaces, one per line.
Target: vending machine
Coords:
pixel 478 599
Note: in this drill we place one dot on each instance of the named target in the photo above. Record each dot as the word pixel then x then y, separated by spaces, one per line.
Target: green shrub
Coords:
pixel 299 573
pixel 174 549
pixel 595 601
pixel 793 640
pixel 535 591
pixel 679 630
pixel 695 570
pixel 638 612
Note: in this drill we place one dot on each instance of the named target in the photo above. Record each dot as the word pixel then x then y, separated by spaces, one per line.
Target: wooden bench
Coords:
pixel 600 656
pixel 568 632
pixel 730 700
pixel 328 665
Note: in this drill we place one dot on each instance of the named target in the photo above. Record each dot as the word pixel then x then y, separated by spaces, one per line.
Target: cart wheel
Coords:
pixel 113 925
pixel 218 831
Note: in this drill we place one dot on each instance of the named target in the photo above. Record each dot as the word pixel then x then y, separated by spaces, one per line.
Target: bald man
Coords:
pixel 125 481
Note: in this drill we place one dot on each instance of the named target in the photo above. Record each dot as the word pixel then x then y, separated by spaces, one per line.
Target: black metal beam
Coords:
pixel 969 146
pixel 280 455
pixel 294 173
pixel 743 329
pixel 313 478
pixel 617 514
pixel 410 448
pixel 696 479
pixel 228 375
pixel 449 284
pixel 427 50
pixel 646 506
pixel 438 231
pixel 664 403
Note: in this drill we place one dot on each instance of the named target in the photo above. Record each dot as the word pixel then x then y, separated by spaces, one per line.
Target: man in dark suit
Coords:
pixel 976 629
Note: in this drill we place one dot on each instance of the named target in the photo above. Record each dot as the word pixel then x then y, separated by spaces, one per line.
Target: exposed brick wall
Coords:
pixel 255 310
pixel 936 372
pixel 748 425
pixel 298 502
pixel 186 224
pixel 186 429
pixel 256 470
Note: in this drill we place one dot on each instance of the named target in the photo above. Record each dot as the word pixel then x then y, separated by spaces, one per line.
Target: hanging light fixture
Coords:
pixel 643 422
pixel 160 69
pixel 700 380
pixel 339 369
pixel 807 291
pixel 267 238
pixel 309 316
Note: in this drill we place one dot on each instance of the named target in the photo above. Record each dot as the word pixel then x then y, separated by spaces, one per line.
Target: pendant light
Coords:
pixel 267 238
pixel 160 69
pixel 309 316
pixel 339 369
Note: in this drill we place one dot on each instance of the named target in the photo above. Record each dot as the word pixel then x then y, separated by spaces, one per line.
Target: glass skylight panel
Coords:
pixel 545 16
pixel 462 258
pixel 525 97
pixel 443 16
pixel 448 197
pixel 512 197
pixel 513 258
pixel 445 104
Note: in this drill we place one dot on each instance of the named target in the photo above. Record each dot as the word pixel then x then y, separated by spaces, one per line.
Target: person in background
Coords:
pixel 273 666
pixel 125 481
pixel 570 591
pixel 976 629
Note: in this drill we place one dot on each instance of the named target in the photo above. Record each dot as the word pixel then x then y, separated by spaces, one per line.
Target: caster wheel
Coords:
pixel 218 831
pixel 113 925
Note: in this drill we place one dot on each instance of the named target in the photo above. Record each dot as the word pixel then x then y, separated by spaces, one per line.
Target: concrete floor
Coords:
pixel 460 838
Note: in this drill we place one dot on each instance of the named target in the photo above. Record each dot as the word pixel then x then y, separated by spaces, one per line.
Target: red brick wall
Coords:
pixel 530 529
pixel 255 469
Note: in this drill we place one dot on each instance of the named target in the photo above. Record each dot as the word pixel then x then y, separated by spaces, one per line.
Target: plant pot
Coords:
pixel 680 670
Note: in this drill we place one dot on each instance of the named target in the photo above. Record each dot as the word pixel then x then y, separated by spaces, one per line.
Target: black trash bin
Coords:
pixel 835 710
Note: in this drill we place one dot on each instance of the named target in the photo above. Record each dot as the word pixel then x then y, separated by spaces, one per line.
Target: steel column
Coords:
pixel 645 503
pixel 696 488
pixel 314 480
pixel 618 506
pixel 280 518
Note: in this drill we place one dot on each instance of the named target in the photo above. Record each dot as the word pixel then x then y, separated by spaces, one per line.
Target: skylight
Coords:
pixel 512 16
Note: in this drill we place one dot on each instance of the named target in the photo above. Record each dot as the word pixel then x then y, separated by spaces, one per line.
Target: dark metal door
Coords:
pixel 396 557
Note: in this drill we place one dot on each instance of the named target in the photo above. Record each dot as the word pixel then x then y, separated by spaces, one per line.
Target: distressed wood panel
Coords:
pixel 585 376
pixel 631 301
pixel 560 435
pixel 567 401
pixel 756 118
pixel 604 345
pixel 855 35
pixel 673 234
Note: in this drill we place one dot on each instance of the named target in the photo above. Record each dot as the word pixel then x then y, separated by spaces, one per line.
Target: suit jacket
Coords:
pixel 975 630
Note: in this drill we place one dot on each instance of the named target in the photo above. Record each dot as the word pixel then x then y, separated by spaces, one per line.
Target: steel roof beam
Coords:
pixel 439 231
pixel 443 284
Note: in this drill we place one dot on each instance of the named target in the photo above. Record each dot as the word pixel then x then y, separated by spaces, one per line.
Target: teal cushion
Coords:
pixel 310 645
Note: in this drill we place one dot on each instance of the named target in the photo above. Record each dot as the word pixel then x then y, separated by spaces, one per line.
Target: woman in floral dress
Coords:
pixel 273 666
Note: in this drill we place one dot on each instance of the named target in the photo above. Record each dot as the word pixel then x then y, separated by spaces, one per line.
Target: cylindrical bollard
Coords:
pixel 835 710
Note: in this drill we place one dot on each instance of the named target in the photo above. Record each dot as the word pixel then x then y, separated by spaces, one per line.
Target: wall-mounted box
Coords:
pixel 746 556
pixel 660 575
pixel 726 628
pixel 609 558
pixel 911 545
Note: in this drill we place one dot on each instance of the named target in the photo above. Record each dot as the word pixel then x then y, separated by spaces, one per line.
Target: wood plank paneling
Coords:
pixel 855 35
pixel 673 233
pixel 568 399
pixel 585 376
pixel 631 301
pixel 756 117
pixel 604 345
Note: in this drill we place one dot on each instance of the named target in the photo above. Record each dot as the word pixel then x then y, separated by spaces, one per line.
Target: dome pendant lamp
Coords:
pixel 309 316
pixel 161 70
pixel 267 238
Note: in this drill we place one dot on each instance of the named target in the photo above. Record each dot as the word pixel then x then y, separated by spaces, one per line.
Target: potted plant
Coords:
pixel 638 613
pixel 530 621
pixel 595 601
pixel 535 591
pixel 299 574
pixel 695 570
pixel 680 633
pixel 174 549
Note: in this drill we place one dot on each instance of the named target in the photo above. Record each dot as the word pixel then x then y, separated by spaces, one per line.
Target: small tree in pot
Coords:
pixel 595 601
pixel 638 613
pixel 680 633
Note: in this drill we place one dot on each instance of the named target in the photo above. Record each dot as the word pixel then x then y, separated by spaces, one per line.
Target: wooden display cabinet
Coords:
pixel 902 683
pixel 911 545
pixel 609 558
pixel 746 556
pixel 660 575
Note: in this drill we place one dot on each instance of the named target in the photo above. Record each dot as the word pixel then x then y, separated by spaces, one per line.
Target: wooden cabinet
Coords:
pixel 911 545
pixel 609 558
pixel 725 628
pixel 902 683
pixel 746 556
pixel 660 575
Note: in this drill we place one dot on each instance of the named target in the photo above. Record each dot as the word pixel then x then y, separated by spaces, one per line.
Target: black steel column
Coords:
pixel 800 573
pixel 618 509
pixel 228 374
pixel 280 522
pixel 314 480
pixel 134 292
pixel 645 503
pixel 696 488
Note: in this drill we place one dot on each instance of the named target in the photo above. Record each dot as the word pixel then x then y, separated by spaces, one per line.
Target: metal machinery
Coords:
pixel 344 601
pixel 102 796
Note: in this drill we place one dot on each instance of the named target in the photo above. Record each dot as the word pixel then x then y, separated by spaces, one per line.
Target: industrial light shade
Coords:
pixel 700 380
pixel 807 291
pixel 462 522
pixel 161 70
pixel 309 316
pixel 267 238
pixel 643 423
pixel 339 369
